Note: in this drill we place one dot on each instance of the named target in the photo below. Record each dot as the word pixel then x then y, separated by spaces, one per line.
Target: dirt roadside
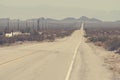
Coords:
pixel 111 60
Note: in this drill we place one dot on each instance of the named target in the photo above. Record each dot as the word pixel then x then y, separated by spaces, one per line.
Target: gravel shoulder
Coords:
pixel 111 60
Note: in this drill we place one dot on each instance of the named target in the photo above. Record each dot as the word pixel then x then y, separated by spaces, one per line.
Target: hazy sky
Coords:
pixel 23 9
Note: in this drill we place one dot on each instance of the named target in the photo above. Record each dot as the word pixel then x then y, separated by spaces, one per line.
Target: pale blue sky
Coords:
pixel 23 9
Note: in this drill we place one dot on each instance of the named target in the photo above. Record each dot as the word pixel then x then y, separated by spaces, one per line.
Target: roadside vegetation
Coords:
pixel 41 29
pixel 50 36
pixel 109 38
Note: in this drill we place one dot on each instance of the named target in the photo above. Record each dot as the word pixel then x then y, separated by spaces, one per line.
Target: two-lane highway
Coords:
pixel 69 59
pixel 40 61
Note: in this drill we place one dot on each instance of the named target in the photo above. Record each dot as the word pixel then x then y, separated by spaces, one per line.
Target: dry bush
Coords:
pixel 50 35
pixel 113 44
pixel 108 37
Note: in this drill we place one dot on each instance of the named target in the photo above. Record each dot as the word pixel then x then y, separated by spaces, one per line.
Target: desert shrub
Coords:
pixel 107 36
pixel 113 44
pixel 1 33
pixel 85 36
pixel 98 38
pixel 51 37
pixel 2 40
pixel 34 32
pixel 35 36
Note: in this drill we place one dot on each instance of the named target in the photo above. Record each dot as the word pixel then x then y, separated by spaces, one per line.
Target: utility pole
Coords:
pixel 33 24
pixel 43 25
pixel 38 25
pixel 8 25
pixel 18 25
pixel 26 26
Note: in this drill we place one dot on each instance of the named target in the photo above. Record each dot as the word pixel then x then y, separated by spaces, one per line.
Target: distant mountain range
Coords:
pixel 68 19
pixel 86 19
pixel 82 19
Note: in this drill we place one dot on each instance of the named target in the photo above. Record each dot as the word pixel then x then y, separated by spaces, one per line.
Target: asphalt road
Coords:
pixel 69 59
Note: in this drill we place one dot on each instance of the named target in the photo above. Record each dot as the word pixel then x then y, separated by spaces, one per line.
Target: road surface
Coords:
pixel 69 59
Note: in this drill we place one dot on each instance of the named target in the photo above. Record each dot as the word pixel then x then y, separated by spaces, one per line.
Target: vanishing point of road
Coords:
pixel 68 59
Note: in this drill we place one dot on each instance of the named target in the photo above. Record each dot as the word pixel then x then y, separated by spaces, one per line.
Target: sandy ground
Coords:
pixel 113 63
pixel 111 59
pixel 52 61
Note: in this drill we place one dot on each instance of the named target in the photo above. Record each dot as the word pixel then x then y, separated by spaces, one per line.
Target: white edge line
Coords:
pixel 71 65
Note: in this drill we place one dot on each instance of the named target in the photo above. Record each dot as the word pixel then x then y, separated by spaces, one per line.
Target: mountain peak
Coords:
pixel 69 19
pixel 86 19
